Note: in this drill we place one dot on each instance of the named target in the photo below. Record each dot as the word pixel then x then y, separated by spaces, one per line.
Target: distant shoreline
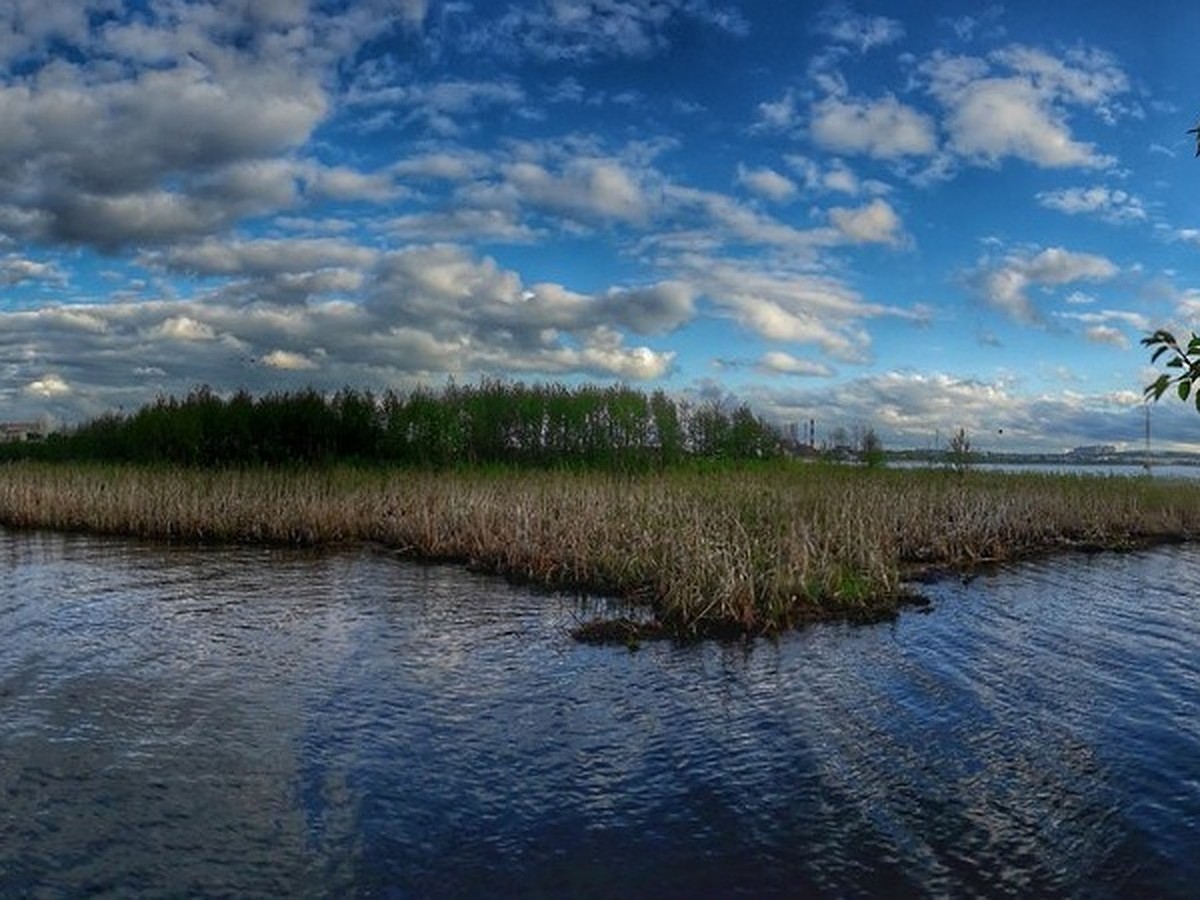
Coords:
pixel 698 550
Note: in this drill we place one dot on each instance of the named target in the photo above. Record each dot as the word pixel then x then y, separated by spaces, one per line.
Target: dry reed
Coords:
pixel 749 549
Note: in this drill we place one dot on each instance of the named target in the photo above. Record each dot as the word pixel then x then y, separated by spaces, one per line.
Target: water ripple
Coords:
pixel 264 722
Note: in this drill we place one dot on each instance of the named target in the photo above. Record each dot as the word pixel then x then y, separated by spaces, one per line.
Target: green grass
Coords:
pixel 712 550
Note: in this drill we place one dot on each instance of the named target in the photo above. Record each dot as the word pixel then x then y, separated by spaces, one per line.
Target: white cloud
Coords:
pixel 588 189
pixel 446 108
pixel 1088 76
pixel 1055 265
pixel 413 11
pixel 718 220
pixel 183 328
pixel 778 115
pixel 16 269
pixel 427 312
pixel 832 175
pixel 883 128
pixel 1107 316
pixel 875 223
pixel 998 117
pixel 48 386
pixel 445 166
pixel 767 183
pixel 1106 334
pixel 779 363
pixel 292 362
pixel 583 30
pixel 840 23
pixel 1022 110
pixel 1108 204
pixel 910 409
pixel 655 309
pixel 263 256
pixel 785 306
pixel 462 224
pixel 1101 327
pixel 1006 285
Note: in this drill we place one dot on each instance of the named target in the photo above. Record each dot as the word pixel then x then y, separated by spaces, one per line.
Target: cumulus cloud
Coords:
pixel 767 183
pixel 842 24
pixel 1005 285
pixel 875 223
pixel 1106 334
pixel 444 108
pixel 708 220
pixel 141 127
pixel 785 306
pixel 443 166
pixel 656 309
pixel 832 176
pixel 289 360
pixel 1108 204
pixel 883 128
pixel 778 115
pixel 428 312
pixel 776 362
pixel 1086 76
pixel 450 292
pixel 1101 327
pixel 911 409
pixel 592 190
pixel 462 224
pixel 1016 103
pixel 264 256
pixel 48 386
pixel 15 269
pixel 182 328
pixel 121 135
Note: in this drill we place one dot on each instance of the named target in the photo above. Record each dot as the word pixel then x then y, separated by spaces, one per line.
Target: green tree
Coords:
pixel 870 448
pixel 959 454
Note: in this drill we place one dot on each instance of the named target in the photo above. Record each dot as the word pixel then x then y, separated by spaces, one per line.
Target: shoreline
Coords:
pixel 706 552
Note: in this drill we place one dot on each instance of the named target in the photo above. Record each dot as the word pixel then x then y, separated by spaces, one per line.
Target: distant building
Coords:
pixel 16 432
pixel 1096 451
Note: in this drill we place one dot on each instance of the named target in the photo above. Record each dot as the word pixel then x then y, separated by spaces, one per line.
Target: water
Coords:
pixel 1159 471
pixel 251 722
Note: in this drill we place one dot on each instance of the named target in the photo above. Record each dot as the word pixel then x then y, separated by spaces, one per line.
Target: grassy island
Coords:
pixel 693 512
pixel 709 549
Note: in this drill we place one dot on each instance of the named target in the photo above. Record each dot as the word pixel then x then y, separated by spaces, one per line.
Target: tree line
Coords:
pixel 491 422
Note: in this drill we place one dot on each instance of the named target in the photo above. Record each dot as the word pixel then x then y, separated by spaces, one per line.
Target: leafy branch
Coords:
pixel 1183 361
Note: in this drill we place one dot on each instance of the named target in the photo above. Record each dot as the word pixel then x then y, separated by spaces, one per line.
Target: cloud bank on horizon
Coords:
pixel 888 214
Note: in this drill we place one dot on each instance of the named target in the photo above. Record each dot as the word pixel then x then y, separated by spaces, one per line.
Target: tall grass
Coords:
pixel 748 548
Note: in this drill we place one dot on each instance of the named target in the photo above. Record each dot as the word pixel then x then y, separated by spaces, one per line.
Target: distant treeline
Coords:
pixel 491 422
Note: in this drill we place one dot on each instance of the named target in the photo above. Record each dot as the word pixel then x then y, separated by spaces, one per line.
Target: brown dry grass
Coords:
pixel 738 549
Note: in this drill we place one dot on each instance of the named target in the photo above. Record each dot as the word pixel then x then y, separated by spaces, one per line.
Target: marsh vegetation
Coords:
pixel 706 548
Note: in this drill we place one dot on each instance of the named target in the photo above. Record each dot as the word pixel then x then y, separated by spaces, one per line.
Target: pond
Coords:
pixel 259 722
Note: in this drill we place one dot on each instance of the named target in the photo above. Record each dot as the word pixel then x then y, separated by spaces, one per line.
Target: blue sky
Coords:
pixel 895 215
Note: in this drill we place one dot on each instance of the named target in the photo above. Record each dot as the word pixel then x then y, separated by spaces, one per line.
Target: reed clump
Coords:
pixel 735 549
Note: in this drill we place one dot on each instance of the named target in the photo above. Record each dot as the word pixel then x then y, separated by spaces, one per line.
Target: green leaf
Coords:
pixel 1175 363
pixel 1185 388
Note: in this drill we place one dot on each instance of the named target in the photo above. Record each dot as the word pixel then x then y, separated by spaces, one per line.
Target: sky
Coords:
pixel 900 216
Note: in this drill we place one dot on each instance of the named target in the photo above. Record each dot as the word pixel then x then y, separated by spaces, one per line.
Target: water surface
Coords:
pixel 257 722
